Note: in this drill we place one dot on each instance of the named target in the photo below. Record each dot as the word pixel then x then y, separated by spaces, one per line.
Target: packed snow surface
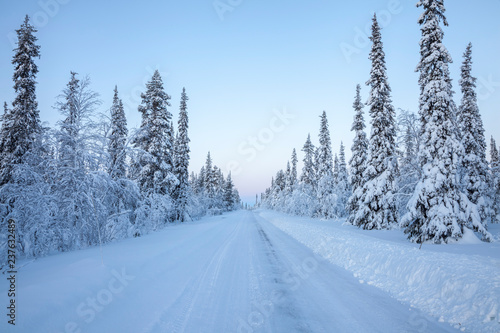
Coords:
pixel 259 271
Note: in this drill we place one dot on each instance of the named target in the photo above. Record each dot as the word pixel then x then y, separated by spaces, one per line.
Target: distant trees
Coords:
pixel 319 191
pixel 214 193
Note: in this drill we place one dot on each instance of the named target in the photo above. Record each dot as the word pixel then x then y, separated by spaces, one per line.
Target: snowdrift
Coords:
pixel 459 284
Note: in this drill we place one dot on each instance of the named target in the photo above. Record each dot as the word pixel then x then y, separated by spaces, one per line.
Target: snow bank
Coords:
pixel 458 288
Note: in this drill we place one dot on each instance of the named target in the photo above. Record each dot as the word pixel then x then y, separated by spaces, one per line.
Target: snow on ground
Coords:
pixel 457 283
pixel 233 273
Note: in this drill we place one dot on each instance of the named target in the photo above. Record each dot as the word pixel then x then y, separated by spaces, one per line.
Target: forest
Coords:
pixel 427 174
pixel 89 181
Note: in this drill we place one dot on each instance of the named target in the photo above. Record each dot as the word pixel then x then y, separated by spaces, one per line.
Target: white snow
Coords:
pixel 459 283
pixel 241 273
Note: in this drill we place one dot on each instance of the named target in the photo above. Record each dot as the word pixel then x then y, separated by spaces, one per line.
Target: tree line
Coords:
pixel 89 180
pixel 427 174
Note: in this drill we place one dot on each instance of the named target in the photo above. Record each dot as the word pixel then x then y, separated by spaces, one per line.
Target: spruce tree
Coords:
pixel 154 141
pixel 335 168
pixel 181 159
pixel 294 166
pixel 342 184
pixel 377 207
pixel 117 139
pixel 21 125
pixel 210 181
pixel 359 155
pixel 495 181
pixel 229 199
pixel 474 164
pixel 325 186
pixel 288 180
pixel 324 157
pixel 278 188
pixel 308 173
pixel 437 210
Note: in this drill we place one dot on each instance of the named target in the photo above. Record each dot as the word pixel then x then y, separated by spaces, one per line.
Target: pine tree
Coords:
pixel 294 167
pixel 210 181
pixel 21 126
pixel 229 198
pixel 324 153
pixel 335 168
pixel 200 185
pixel 474 164
pixel 280 180
pixel 117 139
pixel 325 188
pixel 377 207
pixel 437 210
pixel 308 173
pixel 359 155
pixel 181 159
pixel 288 180
pixel 155 140
pixel 343 187
pixel 342 162
pixel 495 181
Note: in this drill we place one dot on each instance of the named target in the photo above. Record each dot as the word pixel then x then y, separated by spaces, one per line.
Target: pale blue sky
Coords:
pixel 243 66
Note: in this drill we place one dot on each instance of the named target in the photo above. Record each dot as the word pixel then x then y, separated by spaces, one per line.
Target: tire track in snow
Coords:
pixel 182 307
pixel 286 304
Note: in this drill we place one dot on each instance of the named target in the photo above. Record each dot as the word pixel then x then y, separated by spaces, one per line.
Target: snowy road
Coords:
pixel 232 273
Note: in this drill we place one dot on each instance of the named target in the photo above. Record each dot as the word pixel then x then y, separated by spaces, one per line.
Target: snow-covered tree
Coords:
pixel 294 167
pixel 377 206
pixel 279 188
pixel 210 181
pixel 359 155
pixel 288 180
pixel 342 185
pixel 308 173
pixel 73 186
pixel 409 167
pixel 438 210
pixel 474 165
pixel 495 181
pixel 181 160
pixel 324 159
pixel 327 199
pixel 335 168
pixel 118 139
pixel 220 185
pixel 154 141
pixel 230 201
pixel 21 125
